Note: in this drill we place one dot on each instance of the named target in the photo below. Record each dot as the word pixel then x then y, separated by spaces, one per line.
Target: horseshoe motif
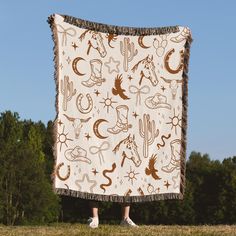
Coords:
pixel 79 105
pixel 181 63
pixel 58 172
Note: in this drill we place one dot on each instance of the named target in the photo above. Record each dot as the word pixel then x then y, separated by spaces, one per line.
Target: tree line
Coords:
pixel 26 195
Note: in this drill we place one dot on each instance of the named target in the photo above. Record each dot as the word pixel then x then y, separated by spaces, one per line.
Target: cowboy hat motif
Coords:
pixel 157 101
pixel 77 154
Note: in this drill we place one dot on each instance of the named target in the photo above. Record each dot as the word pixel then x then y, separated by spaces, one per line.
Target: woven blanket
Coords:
pixel 121 103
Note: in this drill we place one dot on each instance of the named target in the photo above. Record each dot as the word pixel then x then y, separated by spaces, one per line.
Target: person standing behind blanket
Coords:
pixel 93 221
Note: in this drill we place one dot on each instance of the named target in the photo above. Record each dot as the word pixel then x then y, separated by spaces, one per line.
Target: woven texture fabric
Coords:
pixel 120 129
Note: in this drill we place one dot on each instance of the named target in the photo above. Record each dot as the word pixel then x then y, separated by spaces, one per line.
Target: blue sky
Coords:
pixel 26 61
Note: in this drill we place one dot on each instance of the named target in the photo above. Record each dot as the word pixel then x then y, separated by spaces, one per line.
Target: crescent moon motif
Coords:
pixel 181 63
pixel 140 42
pixel 74 65
pixel 95 128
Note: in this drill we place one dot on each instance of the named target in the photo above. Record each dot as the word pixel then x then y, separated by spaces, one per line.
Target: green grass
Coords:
pixel 116 230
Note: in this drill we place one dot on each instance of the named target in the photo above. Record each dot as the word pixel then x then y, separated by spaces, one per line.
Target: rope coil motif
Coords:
pixel 64 33
pixel 138 91
pixel 98 150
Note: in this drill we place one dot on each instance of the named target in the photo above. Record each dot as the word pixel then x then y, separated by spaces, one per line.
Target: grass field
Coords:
pixel 114 230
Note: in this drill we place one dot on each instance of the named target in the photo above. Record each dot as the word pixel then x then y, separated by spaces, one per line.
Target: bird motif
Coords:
pixel 117 90
pixel 151 168
pixel 111 37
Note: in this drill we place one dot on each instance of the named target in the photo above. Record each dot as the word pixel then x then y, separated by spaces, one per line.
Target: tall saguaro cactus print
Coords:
pixel 148 131
pixel 67 91
pixel 127 50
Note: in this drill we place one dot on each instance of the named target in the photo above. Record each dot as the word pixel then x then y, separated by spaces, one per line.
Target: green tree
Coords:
pixel 26 194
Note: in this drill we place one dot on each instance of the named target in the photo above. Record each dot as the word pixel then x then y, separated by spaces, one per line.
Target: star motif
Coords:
pixel 163 89
pixel 135 114
pixel 167 184
pixel 112 65
pixel 60 122
pixel 95 171
pixel 97 92
pixel 89 183
pixel 74 45
pixel 68 60
pixel 130 77
pixel 87 136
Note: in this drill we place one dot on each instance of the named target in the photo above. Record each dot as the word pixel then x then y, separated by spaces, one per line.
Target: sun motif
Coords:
pixel 131 175
pixel 62 138
pixel 108 102
pixel 174 121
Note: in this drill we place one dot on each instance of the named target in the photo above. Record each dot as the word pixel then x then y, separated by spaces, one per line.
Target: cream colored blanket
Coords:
pixel 120 130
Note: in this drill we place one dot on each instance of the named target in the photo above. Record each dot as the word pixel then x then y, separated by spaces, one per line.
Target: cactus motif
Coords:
pixel 148 131
pixel 127 50
pixel 67 91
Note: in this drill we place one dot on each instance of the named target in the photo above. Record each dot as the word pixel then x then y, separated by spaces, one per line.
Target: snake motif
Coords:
pixel 163 141
pixel 58 172
pixel 102 186
pixel 79 106
pixel 181 63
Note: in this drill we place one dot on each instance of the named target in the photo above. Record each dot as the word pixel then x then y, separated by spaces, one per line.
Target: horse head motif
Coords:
pixel 95 41
pixel 129 150
pixel 147 70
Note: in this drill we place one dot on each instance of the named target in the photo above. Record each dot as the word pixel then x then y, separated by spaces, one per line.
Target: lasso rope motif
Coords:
pixel 98 150
pixel 69 31
pixel 135 90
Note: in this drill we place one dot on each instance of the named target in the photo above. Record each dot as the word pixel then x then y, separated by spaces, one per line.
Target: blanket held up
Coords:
pixel 120 128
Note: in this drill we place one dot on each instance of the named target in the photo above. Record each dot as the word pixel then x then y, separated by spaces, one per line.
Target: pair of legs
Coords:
pixel 124 211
